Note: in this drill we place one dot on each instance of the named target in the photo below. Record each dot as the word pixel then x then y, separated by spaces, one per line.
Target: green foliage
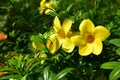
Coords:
pixel 115 74
pixel 115 42
pixel 21 21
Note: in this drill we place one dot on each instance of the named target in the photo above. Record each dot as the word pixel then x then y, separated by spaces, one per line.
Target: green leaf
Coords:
pixel 46 73
pixel 110 65
pixel 62 73
pixel 69 7
pixel 7 69
pixel 37 38
pixel 18 77
pixel 33 66
pixel 115 42
pixel 24 78
pixel 115 74
pixel 118 51
pixel 118 12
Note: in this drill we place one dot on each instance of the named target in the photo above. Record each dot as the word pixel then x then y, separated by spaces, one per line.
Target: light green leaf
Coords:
pixel 118 51
pixel 7 69
pixel 110 65
pixel 24 78
pixel 46 73
pixel 115 74
pixel 115 42
pixel 69 7
pixel 62 73
pixel 37 38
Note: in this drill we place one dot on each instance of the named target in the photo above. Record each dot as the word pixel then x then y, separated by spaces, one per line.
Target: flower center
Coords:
pixel 90 38
pixel 62 34
pixel 50 45
pixel 69 33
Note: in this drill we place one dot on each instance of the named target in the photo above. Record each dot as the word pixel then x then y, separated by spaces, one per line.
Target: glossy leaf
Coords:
pixel 110 65
pixel 46 73
pixel 118 51
pixel 115 42
pixel 63 73
pixel 115 74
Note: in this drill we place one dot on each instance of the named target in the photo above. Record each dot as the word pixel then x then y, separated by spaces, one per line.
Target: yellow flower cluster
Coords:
pixel 46 6
pixel 88 39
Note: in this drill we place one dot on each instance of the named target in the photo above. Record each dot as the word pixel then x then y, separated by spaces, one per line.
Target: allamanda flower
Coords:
pixel 39 46
pixel 63 33
pixel 46 6
pixel 52 43
pixel 91 37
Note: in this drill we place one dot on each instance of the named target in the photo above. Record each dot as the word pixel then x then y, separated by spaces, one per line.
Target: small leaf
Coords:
pixel 115 74
pixel 24 78
pixel 110 65
pixel 69 7
pixel 115 42
pixel 62 73
pixel 118 51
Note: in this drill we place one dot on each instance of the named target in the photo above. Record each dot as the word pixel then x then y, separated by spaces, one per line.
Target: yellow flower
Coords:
pixel 52 44
pixel 39 46
pixel 46 6
pixel 63 33
pixel 90 38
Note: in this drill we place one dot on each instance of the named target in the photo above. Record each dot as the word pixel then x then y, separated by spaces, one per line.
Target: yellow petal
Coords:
pixel 38 45
pixel 97 47
pixel 49 4
pixel 53 44
pixel 67 23
pixel 77 40
pixel 41 12
pixel 60 38
pixel 42 3
pixel 67 45
pixel 57 25
pixel 85 50
pixel 101 33
pixel 86 26
pixel 47 11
